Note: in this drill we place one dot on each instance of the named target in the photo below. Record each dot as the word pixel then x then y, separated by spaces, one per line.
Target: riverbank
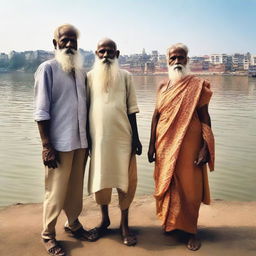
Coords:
pixel 226 228
pixel 151 74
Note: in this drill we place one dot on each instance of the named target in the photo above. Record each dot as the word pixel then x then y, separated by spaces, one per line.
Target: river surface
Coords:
pixel 233 114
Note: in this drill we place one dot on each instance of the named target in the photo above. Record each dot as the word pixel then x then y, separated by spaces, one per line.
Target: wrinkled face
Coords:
pixel 106 51
pixel 177 56
pixel 67 40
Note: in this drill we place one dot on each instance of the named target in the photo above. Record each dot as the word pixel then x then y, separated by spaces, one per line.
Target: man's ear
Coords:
pixel 54 43
pixel 187 60
pixel 117 54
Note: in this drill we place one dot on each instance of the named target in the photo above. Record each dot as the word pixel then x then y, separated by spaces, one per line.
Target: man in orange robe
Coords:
pixel 181 144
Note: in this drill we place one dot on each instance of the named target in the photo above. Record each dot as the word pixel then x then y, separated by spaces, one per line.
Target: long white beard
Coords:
pixel 105 74
pixel 177 72
pixel 68 61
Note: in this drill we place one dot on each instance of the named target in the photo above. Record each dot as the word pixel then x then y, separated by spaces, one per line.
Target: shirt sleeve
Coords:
pixel 42 90
pixel 132 106
pixel 206 95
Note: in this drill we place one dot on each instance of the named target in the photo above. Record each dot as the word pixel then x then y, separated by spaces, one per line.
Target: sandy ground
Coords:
pixel 226 228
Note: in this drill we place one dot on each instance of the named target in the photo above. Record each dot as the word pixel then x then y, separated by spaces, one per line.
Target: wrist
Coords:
pixel 46 144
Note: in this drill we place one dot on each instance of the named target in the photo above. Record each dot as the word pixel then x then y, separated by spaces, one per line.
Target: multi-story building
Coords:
pixel 3 57
pixel 238 62
pixel 253 59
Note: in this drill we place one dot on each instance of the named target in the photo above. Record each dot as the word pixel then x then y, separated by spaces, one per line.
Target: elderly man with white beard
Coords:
pixel 181 144
pixel 60 112
pixel 114 136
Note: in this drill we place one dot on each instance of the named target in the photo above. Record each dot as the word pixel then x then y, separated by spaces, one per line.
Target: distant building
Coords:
pixel 252 70
pixel 216 68
pixel 139 63
pixel 149 67
pixel 253 59
pixel 154 56
pixel 238 62
pixel 3 57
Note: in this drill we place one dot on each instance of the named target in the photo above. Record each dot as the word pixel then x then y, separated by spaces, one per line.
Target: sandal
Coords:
pixel 83 234
pixel 101 231
pixel 53 248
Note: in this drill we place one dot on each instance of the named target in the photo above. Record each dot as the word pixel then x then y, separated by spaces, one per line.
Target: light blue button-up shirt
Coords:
pixel 61 99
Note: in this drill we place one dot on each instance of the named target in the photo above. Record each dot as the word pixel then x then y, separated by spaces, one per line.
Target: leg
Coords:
pixel 125 200
pixel 127 237
pixel 56 183
pixel 74 198
pixel 103 198
pixel 105 221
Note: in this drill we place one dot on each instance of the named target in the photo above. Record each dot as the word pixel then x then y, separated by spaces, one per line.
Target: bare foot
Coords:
pixel 102 229
pixel 128 238
pixel 194 243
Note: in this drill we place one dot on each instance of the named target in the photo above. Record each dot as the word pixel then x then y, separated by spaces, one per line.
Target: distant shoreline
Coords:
pixel 149 74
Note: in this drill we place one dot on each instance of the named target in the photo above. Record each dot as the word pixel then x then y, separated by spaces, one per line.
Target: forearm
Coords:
pixel 154 122
pixel 204 116
pixel 44 131
pixel 133 123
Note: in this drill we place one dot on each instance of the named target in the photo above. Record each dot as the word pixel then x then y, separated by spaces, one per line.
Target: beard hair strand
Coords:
pixel 68 61
pixel 177 72
pixel 105 74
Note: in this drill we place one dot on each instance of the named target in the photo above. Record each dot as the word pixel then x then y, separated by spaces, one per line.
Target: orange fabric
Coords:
pixel 180 186
pixel 209 138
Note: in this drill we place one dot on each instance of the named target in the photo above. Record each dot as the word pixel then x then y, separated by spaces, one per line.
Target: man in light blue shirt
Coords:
pixel 60 112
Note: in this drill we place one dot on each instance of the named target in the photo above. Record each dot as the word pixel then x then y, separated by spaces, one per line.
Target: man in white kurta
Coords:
pixel 114 136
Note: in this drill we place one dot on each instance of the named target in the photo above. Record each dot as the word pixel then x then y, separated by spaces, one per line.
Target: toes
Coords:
pixel 129 240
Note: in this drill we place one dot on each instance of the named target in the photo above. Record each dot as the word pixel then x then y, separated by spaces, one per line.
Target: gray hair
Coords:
pixel 178 46
pixel 68 26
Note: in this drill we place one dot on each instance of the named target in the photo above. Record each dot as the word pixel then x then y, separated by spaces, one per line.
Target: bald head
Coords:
pixel 107 42
pixel 107 49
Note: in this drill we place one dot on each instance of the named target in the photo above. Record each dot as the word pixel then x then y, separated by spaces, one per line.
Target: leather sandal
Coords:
pixel 53 248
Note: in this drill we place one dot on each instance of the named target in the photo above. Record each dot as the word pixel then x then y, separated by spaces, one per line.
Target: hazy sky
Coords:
pixel 206 26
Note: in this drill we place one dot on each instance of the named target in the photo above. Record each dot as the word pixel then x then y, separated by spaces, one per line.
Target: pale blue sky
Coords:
pixel 206 26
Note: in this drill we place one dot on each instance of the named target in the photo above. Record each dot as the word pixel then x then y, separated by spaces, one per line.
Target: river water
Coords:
pixel 233 114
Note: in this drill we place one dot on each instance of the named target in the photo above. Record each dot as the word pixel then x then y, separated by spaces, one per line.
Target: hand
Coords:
pixel 203 156
pixel 136 146
pixel 50 156
pixel 151 154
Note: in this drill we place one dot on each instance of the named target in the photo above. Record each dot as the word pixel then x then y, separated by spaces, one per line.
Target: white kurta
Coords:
pixel 110 132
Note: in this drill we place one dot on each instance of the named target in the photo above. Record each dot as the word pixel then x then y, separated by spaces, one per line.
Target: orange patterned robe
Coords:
pixel 180 185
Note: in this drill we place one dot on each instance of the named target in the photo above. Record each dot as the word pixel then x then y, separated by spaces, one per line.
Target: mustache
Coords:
pixel 70 51
pixel 178 66
pixel 107 61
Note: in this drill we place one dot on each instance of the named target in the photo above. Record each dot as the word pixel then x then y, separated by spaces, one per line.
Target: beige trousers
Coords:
pixel 103 197
pixel 64 190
